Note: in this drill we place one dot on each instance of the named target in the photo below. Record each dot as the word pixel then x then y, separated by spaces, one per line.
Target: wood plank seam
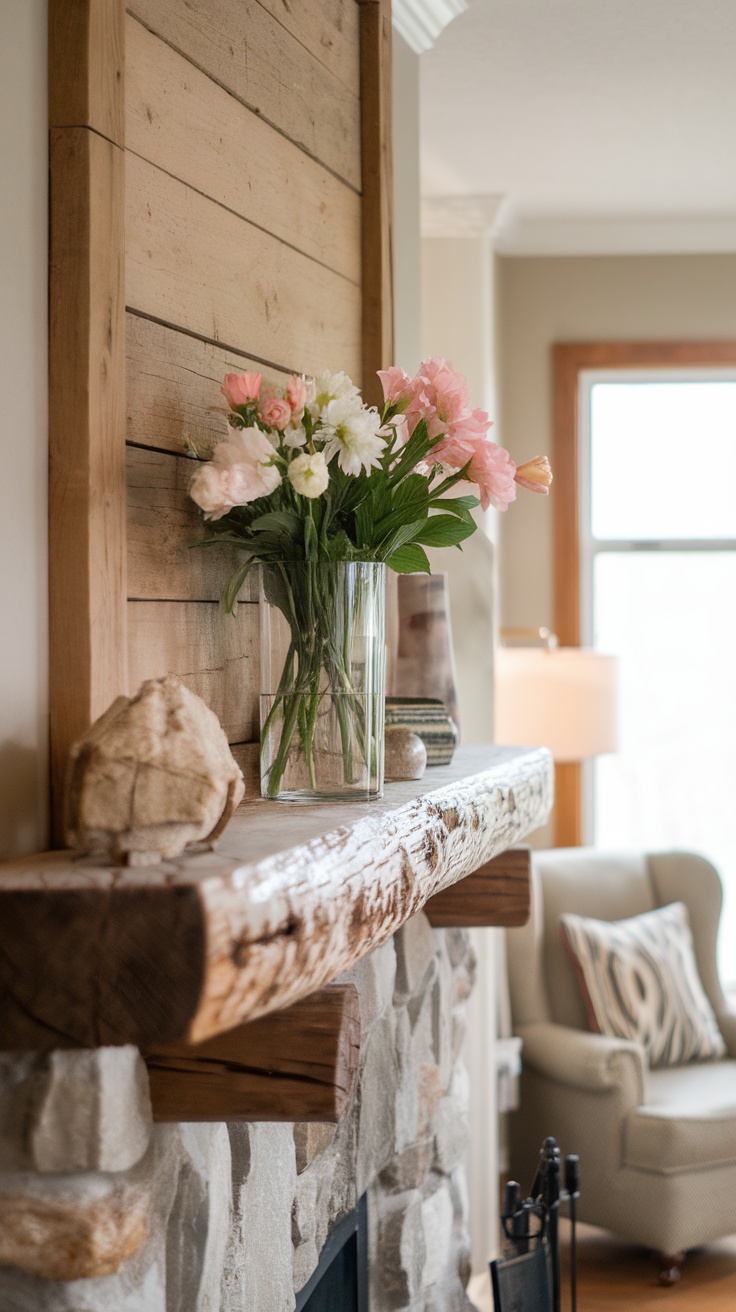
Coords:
pixel 134 154
pixel 212 341
pixel 254 109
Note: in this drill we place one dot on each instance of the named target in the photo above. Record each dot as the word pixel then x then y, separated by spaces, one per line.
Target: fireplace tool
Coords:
pixel 527 1277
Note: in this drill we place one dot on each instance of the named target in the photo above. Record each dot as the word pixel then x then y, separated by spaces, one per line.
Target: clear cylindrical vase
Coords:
pixel 323 661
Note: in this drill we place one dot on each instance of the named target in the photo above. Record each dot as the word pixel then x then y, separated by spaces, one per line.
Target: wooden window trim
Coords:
pixel 570 359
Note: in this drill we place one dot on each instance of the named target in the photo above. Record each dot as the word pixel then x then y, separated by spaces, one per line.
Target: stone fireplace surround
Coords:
pixel 236 1215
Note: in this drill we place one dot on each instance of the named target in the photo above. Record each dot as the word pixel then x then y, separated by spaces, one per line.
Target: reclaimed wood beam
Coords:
pixel 87 648
pixel 300 1064
pixel 498 893
pixel 179 952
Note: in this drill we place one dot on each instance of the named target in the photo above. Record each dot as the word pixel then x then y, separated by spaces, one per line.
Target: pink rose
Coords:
pixel 398 387
pixel 493 470
pixel 296 395
pixel 275 412
pixel 239 389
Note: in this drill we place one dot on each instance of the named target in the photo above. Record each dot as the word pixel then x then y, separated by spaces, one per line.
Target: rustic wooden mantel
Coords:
pixel 293 896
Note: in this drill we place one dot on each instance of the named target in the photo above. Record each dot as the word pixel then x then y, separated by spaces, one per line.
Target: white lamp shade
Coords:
pixel 563 698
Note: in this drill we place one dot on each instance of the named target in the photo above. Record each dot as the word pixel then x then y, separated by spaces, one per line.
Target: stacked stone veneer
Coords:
pixel 236 1215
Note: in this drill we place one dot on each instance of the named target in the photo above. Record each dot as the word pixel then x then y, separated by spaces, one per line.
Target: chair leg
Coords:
pixel 670 1265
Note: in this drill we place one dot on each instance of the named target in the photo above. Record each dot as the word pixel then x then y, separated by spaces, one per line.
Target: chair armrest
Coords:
pixel 727 1026
pixel 584 1061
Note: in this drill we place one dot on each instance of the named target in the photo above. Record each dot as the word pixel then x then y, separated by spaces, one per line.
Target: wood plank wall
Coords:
pixel 256 214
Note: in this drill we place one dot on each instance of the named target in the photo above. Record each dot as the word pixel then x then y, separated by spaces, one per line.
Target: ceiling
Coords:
pixel 606 125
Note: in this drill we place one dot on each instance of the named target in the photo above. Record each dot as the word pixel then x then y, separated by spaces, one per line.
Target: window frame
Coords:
pixel 572 609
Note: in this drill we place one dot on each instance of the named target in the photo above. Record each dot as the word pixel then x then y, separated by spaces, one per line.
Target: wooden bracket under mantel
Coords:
pixel 497 893
pixel 300 1064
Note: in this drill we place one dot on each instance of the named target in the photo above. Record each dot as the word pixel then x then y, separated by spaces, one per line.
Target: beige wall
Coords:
pixel 546 300
pixel 23 427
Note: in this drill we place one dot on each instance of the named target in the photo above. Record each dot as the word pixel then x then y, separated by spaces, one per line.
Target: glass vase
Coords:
pixel 323 660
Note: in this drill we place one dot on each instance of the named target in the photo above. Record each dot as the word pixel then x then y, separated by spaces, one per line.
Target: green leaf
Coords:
pixel 279 520
pixel 404 533
pixel 444 531
pixel 411 559
pixel 229 594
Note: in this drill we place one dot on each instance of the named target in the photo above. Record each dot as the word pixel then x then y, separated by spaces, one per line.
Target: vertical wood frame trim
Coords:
pixel 87 498
pixel 569 360
pixel 377 206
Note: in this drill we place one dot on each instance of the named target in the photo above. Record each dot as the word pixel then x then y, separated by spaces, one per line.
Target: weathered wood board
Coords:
pixel 214 654
pixel 497 893
pixel 192 263
pixel 180 120
pixel 243 48
pixel 294 896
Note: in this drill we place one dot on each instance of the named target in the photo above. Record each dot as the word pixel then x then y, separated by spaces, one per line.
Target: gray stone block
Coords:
pixel 74 1110
pixel 451 1122
pixel 374 977
pixel 415 949
pixel 398 1252
pixel 311 1138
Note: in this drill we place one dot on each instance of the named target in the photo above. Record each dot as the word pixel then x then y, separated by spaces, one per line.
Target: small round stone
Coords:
pixel 406 755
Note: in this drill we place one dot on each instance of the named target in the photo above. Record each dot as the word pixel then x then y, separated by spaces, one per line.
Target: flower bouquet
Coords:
pixel 323 492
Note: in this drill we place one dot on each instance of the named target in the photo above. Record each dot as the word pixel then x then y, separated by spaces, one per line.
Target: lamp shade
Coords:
pixel 563 698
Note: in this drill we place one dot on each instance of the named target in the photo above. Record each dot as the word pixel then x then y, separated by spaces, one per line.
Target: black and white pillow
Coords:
pixel 640 981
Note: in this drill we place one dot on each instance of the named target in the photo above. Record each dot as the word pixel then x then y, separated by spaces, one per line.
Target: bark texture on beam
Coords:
pixel 295 895
pixel 498 893
pixel 300 1064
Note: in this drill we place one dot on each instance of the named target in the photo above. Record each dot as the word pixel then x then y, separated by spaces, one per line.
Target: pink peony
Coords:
pixel 240 471
pixel 398 388
pixel 535 475
pixel 296 395
pixel 275 412
pixel 239 389
pixel 210 488
pixel 493 470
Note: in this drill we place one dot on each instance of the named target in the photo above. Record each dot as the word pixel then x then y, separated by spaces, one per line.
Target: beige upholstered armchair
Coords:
pixel 657 1148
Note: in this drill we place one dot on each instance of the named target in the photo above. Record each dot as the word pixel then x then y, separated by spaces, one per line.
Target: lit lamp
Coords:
pixel 563 698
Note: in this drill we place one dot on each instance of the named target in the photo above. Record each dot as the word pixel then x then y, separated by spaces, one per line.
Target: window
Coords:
pixel 655 561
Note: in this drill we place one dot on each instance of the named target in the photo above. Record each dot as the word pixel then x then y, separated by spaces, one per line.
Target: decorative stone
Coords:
pixel 374 976
pixel 451 1123
pixel 260 1247
pixel 152 776
pixel 405 754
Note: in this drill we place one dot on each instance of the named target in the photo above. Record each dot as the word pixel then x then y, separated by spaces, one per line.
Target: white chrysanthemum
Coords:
pixel 352 435
pixel 330 387
pixel 294 437
pixel 309 474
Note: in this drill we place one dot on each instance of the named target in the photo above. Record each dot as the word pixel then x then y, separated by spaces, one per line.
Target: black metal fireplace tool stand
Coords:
pixel 527 1277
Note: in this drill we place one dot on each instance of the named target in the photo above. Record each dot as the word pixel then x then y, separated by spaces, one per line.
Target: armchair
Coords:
pixel 657 1147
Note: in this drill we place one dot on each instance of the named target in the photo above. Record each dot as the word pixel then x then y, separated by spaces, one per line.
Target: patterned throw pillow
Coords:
pixel 640 981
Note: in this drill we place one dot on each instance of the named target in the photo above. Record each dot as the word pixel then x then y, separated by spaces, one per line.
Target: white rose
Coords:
pixel 295 437
pixel 309 474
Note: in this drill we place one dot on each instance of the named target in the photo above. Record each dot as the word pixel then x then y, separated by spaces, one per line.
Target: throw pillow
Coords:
pixel 640 981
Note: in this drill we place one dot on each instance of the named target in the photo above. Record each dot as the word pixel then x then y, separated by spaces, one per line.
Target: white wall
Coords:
pixel 407 245
pixel 23 427
pixel 546 300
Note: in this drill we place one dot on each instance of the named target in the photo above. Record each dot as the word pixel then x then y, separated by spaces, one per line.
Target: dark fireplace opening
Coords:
pixel 340 1282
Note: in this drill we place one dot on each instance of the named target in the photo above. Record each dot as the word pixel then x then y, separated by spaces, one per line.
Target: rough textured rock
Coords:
pixel 227 1218
pixel 152 776
pixel 73 1111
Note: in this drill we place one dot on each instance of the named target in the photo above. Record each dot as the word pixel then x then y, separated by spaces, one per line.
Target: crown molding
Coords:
pixel 462 216
pixel 613 235
pixel 420 22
